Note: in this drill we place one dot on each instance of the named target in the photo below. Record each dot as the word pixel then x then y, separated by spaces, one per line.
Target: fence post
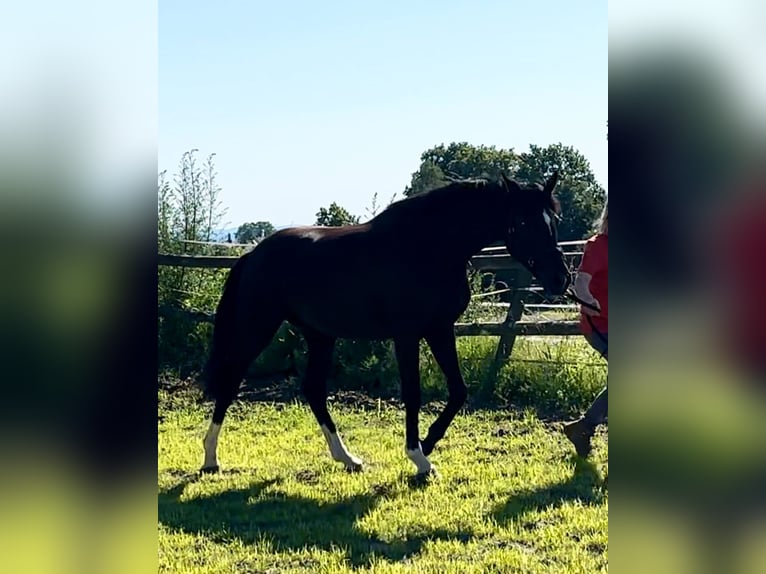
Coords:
pixel 521 280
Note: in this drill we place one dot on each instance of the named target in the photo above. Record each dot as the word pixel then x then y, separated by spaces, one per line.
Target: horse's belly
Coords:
pixel 365 301
pixel 371 317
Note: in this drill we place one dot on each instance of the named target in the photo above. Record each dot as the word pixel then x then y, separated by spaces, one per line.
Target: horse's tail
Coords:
pixel 224 329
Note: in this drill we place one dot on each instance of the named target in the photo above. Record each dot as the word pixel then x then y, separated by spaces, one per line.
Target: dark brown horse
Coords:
pixel 373 281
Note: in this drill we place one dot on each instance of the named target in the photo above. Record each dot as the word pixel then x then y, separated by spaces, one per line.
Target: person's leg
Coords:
pixel 581 431
pixel 597 412
pixel 600 342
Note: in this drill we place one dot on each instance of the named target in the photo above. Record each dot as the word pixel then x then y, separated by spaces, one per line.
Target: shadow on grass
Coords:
pixel 262 512
pixel 585 485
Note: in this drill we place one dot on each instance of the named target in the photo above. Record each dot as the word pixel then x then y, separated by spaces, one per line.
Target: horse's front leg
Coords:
pixel 407 356
pixel 442 344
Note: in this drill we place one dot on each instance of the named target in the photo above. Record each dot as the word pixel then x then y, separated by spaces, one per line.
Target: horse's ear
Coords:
pixel 550 185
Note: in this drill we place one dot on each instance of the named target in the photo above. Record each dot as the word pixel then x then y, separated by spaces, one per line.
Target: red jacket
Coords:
pixel 740 264
pixel 595 262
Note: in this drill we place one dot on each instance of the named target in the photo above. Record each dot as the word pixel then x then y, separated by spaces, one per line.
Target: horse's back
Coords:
pixel 300 261
pixel 352 282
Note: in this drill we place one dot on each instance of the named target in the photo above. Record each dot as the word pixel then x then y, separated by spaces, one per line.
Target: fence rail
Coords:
pixel 197 261
pixel 489 259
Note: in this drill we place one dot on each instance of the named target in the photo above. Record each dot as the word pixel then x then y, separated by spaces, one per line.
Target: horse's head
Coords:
pixel 532 239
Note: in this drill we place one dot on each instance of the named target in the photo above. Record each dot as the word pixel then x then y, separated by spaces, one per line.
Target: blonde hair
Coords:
pixel 602 225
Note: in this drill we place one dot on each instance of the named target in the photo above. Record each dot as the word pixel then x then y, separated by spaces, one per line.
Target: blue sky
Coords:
pixel 306 103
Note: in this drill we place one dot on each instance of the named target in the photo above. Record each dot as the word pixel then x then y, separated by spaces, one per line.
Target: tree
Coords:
pixel 252 232
pixel 428 177
pixel 462 160
pixel 335 216
pixel 214 207
pixel 165 213
pixel 581 196
pixel 187 213
pixel 188 210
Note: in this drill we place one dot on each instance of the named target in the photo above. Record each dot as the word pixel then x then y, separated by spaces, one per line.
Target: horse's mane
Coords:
pixel 454 195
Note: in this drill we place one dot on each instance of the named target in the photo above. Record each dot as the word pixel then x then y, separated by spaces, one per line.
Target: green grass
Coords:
pixel 510 496
pixel 556 377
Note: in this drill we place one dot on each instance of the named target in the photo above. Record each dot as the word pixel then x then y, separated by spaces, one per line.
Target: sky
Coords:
pixel 308 103
pixel 727 35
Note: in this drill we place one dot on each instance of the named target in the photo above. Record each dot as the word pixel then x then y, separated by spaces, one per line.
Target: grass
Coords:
pixel 510 496
pixel 555 377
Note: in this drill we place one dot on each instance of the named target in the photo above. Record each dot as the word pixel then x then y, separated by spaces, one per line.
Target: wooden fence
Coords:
pixel 521 288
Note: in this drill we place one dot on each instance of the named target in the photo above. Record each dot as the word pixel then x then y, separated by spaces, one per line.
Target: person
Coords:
pixel 592 287
pixel 738 274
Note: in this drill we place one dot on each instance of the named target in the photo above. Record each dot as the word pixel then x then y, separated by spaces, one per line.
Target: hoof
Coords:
pixel 209 469
pixel 355 467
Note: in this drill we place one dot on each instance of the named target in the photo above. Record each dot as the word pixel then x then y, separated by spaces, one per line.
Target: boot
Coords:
pixel 579 434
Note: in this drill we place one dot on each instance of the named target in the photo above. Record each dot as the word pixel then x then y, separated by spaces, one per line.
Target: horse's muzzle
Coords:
pixel 554 277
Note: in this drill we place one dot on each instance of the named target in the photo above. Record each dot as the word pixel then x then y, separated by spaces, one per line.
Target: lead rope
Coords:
pixel 588 318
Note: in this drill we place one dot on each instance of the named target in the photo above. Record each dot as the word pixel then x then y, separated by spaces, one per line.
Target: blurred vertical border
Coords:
pixel 78 131
pixel 687 128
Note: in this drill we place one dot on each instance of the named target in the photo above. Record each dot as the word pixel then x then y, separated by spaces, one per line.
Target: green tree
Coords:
pixel 214 210
pixel 335 216
pixel 187 213
pixel 429 176
pixel 191 209
pixel 165 214
pixel 188 210
pixel 581 196
pixel 251 232
pixel 462 160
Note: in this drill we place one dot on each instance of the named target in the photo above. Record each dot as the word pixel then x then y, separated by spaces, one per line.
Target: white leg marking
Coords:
pixel 211 445
pixel 338 450
pixel 419 459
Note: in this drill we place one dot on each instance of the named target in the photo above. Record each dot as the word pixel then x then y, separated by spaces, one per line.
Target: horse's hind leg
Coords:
pixel 320 348
pixel 228 376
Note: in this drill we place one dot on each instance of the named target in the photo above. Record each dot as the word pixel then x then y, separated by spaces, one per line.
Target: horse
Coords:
pixel 371 281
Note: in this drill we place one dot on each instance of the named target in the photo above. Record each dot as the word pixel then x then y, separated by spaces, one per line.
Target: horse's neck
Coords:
pixel 456 230
pixel 450 240
pixel 470 243
pixel 469 231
